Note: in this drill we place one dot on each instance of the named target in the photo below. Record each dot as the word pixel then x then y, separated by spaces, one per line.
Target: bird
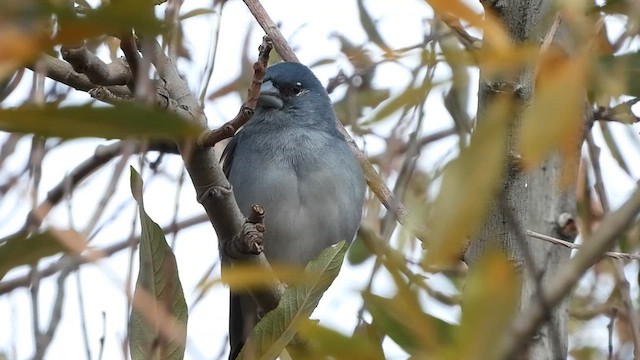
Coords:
pixel 291 159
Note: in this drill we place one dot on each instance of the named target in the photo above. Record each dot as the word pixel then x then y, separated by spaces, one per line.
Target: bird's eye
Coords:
pixel 296 89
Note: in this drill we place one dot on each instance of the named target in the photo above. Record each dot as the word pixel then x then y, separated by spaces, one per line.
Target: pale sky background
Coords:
pixel 308 25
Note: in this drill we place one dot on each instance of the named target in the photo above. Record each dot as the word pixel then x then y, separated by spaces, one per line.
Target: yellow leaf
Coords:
pixel 489 303
pixel 554 119
pixel 469 183
pixel 494 33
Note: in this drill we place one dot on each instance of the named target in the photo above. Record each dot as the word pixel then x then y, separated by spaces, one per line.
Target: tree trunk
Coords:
pixel 527 201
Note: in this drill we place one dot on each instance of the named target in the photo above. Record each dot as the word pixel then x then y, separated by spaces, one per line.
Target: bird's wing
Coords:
pixel 242 309
pixel 227 154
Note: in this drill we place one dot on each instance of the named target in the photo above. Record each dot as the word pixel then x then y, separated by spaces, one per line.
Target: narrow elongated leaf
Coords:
pixel 369 26
pixel 405 322
pixel 469 184
pixel 278 327
pixel 18 250
pixel 196 12
pixel 110 18
pixel 159 287
pixel 323 342
pixel 489 304
pixel 618 74
pixel 554 121
pixel 358 252
pixel 612 144
pixel 122 121
pixel 412 96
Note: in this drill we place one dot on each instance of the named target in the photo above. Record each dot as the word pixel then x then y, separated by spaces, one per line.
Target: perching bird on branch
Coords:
pixel 291 159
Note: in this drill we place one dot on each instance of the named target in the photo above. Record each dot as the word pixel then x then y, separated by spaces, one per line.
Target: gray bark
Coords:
pixel 532 200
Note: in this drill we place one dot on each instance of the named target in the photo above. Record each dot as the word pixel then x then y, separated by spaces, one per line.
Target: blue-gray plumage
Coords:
pixel 291 159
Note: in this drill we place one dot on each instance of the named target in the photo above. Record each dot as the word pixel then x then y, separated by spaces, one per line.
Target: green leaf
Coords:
pixel 115 17
pixel 323 342
pixel 151 334
pixel 456 100
pixel 490 301
pixel 122 121
pixel 369 26
pixel 405 322
pixel 18 250
pixel 411 97
pixel 279 326
pixel 196 12
pixel 618 74
pixel 358 251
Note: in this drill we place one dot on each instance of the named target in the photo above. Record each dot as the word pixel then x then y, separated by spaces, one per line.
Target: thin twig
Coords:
pixel 33 280
pixel 176 205
pixel 56 315
pixel 612 320
pixel 126 151
pixel 130 49
pixel 568 274
pixel 533 270
pixel 412 149
pixel 469 41
pixel 271 29
pixel 210 138
pixel 612 114
pixel 101 156
pixel 573 246
pixel 23 281
pixel 422 142
pixel 213 51
pixel 103 335
pixel 82 316
pixel 618 264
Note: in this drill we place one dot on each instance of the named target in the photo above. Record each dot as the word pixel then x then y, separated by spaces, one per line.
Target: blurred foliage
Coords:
pixel 461 204
pixel 27 26
pixel 125 121
pixel 27 250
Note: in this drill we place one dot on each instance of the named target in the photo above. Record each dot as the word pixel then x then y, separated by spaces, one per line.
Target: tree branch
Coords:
pixel 97 71
pixel 573 246
pixel 271 29
pixel 63 72
pixel 74 261
pixel 612 226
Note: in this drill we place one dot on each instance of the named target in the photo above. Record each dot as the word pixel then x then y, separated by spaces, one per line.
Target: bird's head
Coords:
pixel 293 88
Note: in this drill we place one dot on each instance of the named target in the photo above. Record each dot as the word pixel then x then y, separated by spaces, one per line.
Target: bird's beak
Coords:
pixel 270 96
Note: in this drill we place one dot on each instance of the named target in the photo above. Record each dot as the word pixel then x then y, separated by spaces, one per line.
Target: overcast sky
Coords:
pixel 308 25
